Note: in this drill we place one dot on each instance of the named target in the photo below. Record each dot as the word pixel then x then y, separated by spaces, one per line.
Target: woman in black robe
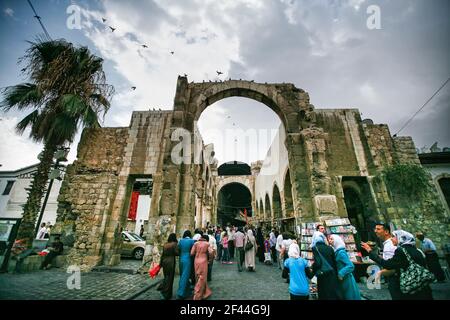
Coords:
pixel 167 263
pixel 325 269
pixel 260 242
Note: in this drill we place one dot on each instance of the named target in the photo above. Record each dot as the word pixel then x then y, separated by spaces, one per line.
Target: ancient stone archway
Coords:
pixel 261 210
pixel 287 196
pixel 233 199
pixel 276 204
pixel 267 209
pixel 322 147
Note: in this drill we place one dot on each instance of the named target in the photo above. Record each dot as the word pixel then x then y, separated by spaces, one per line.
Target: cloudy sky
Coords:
pixel 322 46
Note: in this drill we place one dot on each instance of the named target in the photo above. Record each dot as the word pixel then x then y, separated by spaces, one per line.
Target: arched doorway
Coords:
pixel 355 211
pixel 261 210
pixel 444 184
pixel 288 202
pixel 233 198
pixel 267 209
pixel 276 201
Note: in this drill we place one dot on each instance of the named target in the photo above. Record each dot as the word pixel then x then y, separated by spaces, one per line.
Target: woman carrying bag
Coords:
pixel 167 263
pixel 409 262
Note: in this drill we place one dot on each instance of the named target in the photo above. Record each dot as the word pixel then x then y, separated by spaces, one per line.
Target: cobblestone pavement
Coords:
pixel 264 284
pixel 52 284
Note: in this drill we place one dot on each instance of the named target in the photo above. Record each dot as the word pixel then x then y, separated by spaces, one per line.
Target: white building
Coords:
pixel 13 194
pixel 438 164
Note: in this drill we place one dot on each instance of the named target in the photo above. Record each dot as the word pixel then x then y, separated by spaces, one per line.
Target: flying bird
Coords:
pixel 144 46
pixel 133 88
pixel 104 20
pixel 219 73
pixel 23 70
pixel 172 52
pixel 112 29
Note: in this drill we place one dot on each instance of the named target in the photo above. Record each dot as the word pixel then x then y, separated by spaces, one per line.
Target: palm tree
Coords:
pixel 67 91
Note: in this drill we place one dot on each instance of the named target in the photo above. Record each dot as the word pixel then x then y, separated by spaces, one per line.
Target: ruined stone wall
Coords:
pixel 94 199
pixel 405 150
pixel 340 151
pixel 141 158
pixel 381 145
pixel 87 193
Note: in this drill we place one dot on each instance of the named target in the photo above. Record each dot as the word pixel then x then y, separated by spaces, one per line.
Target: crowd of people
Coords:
pixel 331 265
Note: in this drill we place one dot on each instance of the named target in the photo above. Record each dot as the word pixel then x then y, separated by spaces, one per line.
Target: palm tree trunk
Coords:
pixel 36 192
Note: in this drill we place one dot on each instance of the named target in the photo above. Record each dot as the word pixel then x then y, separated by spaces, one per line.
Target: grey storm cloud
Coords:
pixel 330 53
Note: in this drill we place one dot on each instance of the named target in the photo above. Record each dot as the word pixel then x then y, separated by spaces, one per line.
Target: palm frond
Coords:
pixel 21 96
pixel 28 121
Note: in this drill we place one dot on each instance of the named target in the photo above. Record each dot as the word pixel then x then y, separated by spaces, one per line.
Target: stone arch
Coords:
pixel 291 104
pixel 276 203
pixel 226 212
pixel 442 185
pixel 267 208
pixel 287 196
pixel 261 210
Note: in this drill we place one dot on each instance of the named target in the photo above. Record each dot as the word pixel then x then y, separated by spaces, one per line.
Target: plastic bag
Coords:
pixel 153 272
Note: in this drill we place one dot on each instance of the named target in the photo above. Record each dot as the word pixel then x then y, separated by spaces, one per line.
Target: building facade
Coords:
pixel 13 194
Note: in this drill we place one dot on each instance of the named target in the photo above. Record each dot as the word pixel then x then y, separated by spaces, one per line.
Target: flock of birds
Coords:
pixel 146 46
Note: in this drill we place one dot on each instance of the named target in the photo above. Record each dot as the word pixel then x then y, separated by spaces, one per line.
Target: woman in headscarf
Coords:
pixel 324 268
pixel 298 271
pixel 185 246
pixel 200 251
pixel 250 254
pixel 347 283
pixel 167 263
pixel 406 244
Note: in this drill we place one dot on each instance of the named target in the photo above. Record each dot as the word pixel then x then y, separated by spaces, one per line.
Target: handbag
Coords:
pixel 415 277
pixel 248 245
pixel 325 267
pixel 285 273
pixel 153 272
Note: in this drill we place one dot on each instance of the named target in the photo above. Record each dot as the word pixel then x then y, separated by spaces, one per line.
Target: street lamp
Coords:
pixel 60 156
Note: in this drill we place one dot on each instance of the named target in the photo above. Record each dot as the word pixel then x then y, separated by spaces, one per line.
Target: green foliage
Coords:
pixel 409 181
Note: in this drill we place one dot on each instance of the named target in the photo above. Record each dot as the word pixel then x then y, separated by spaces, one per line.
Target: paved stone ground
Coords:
pixel 227 283
pixel 52 284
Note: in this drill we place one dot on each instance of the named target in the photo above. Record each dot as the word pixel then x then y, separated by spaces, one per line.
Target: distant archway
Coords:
pixel 233 198
pixel 267 209
pixel 276 202
pixel 261 210
pixel 287 191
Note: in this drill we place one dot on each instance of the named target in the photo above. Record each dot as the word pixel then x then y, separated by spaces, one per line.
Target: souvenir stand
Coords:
pixel 306 234
pixel 343 228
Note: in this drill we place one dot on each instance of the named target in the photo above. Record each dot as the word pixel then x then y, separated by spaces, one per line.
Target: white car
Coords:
pixel 132 245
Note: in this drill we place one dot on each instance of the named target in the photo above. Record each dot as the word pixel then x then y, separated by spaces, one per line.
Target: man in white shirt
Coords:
pixel 42 232
pixel 383 232
pixel 278 248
